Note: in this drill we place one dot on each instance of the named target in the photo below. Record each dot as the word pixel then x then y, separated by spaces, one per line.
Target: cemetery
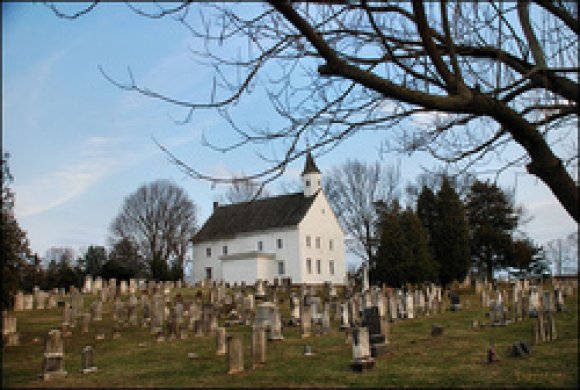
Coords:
pixel 165 334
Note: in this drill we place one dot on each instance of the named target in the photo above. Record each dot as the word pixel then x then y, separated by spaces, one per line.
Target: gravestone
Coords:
pixel 361 354
pixel 275 333
pixel 326 319
pixel 86 321
pixel 305 321
pixel 372 323
pixel 455 302
pixel 235 353
pixel 10 336
pixel 436 330
pixel 344 318
pixel 258 346
pixel 132 309
pixel 53 363
pixel 264 315
pixel 88 360
pixel 88 285
pixel 19 301
pixel 28 302
pixel 198 328
pixel 294 310
pixel 221 341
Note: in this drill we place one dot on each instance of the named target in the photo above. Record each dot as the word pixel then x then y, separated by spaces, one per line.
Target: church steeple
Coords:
pixel 311 177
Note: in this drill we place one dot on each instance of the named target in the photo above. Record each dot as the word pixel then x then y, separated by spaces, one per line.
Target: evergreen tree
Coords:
pixel 403 255
pixel 492 220
pixel 94 260
pixel 387 266
pixel 14 243
pixel 419 267
pixel 427 210
pixel 450 235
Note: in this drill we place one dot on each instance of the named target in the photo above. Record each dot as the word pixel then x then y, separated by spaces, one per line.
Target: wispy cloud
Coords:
pixel 58 187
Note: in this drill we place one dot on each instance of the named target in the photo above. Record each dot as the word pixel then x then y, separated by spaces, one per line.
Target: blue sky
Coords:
pixel 79 145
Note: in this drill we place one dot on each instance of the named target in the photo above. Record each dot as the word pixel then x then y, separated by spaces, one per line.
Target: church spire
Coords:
pixel 310 165
pixel 310 176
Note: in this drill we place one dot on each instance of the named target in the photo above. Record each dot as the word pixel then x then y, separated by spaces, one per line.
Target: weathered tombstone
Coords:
pixel 132 309
pixel 326 319
pixel 69 318
pixel 344 319
pixel 19 301
pixel 436 330
pixel 372 323
pixel 198 328
pixel 86 322
pixel 221 341
pixel 28 302
pixel 123 288
pixel 264 314
pixel 145 309
pixel 305 320
pixel 88 360
pixel 361 354
pixel 409 307
pixel 294 310
pixel 53 364
pixel 258 346
pixel 455 302
pixel 119 313
pixel 88 285
pixel 9 334
pixel 158 314
pixel 276 326
pixel 132 286
pixel 235 353
pixel 559 300
pixel 52 301
pixel 97 284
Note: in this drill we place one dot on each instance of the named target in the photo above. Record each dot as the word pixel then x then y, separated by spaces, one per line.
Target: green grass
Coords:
pixel 455 359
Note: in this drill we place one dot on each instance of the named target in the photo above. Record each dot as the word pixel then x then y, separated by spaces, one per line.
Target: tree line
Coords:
pixel 149 238
pixel 449 228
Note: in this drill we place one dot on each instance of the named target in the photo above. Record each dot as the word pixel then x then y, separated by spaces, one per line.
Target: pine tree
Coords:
pixel 387 266
pixel 492 220
pixel 419 267
pixel 14 243
pixel 450 235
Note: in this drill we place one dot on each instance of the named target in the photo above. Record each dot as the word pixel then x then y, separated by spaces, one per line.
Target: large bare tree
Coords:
pixel 461 80
pixel 160 219
pixel 353 190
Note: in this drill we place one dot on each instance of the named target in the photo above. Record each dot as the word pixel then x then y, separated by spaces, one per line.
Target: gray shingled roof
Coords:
pixel 280 211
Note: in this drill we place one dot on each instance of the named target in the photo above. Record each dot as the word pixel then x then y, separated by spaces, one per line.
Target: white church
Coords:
pixel 293 236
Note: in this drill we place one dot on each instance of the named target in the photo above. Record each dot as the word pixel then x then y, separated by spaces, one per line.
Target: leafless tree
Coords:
pixel 160 219
pixel 353 189
pixel 243 190
pixel 460 80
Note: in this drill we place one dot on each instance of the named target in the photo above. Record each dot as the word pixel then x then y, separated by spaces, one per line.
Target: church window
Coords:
pixel 208 272
pixel 225 249
pixel 260 246
pixel 307 183
pixel 208 252
pixel 280 268
pixel 309 266
pixel 331 267
pixel 279 243
pixel 317 242
pixel 318 266
pixel 330 244
pixel 308 242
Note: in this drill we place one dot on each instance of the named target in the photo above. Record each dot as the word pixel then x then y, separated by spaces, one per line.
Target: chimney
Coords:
pixel 215 205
